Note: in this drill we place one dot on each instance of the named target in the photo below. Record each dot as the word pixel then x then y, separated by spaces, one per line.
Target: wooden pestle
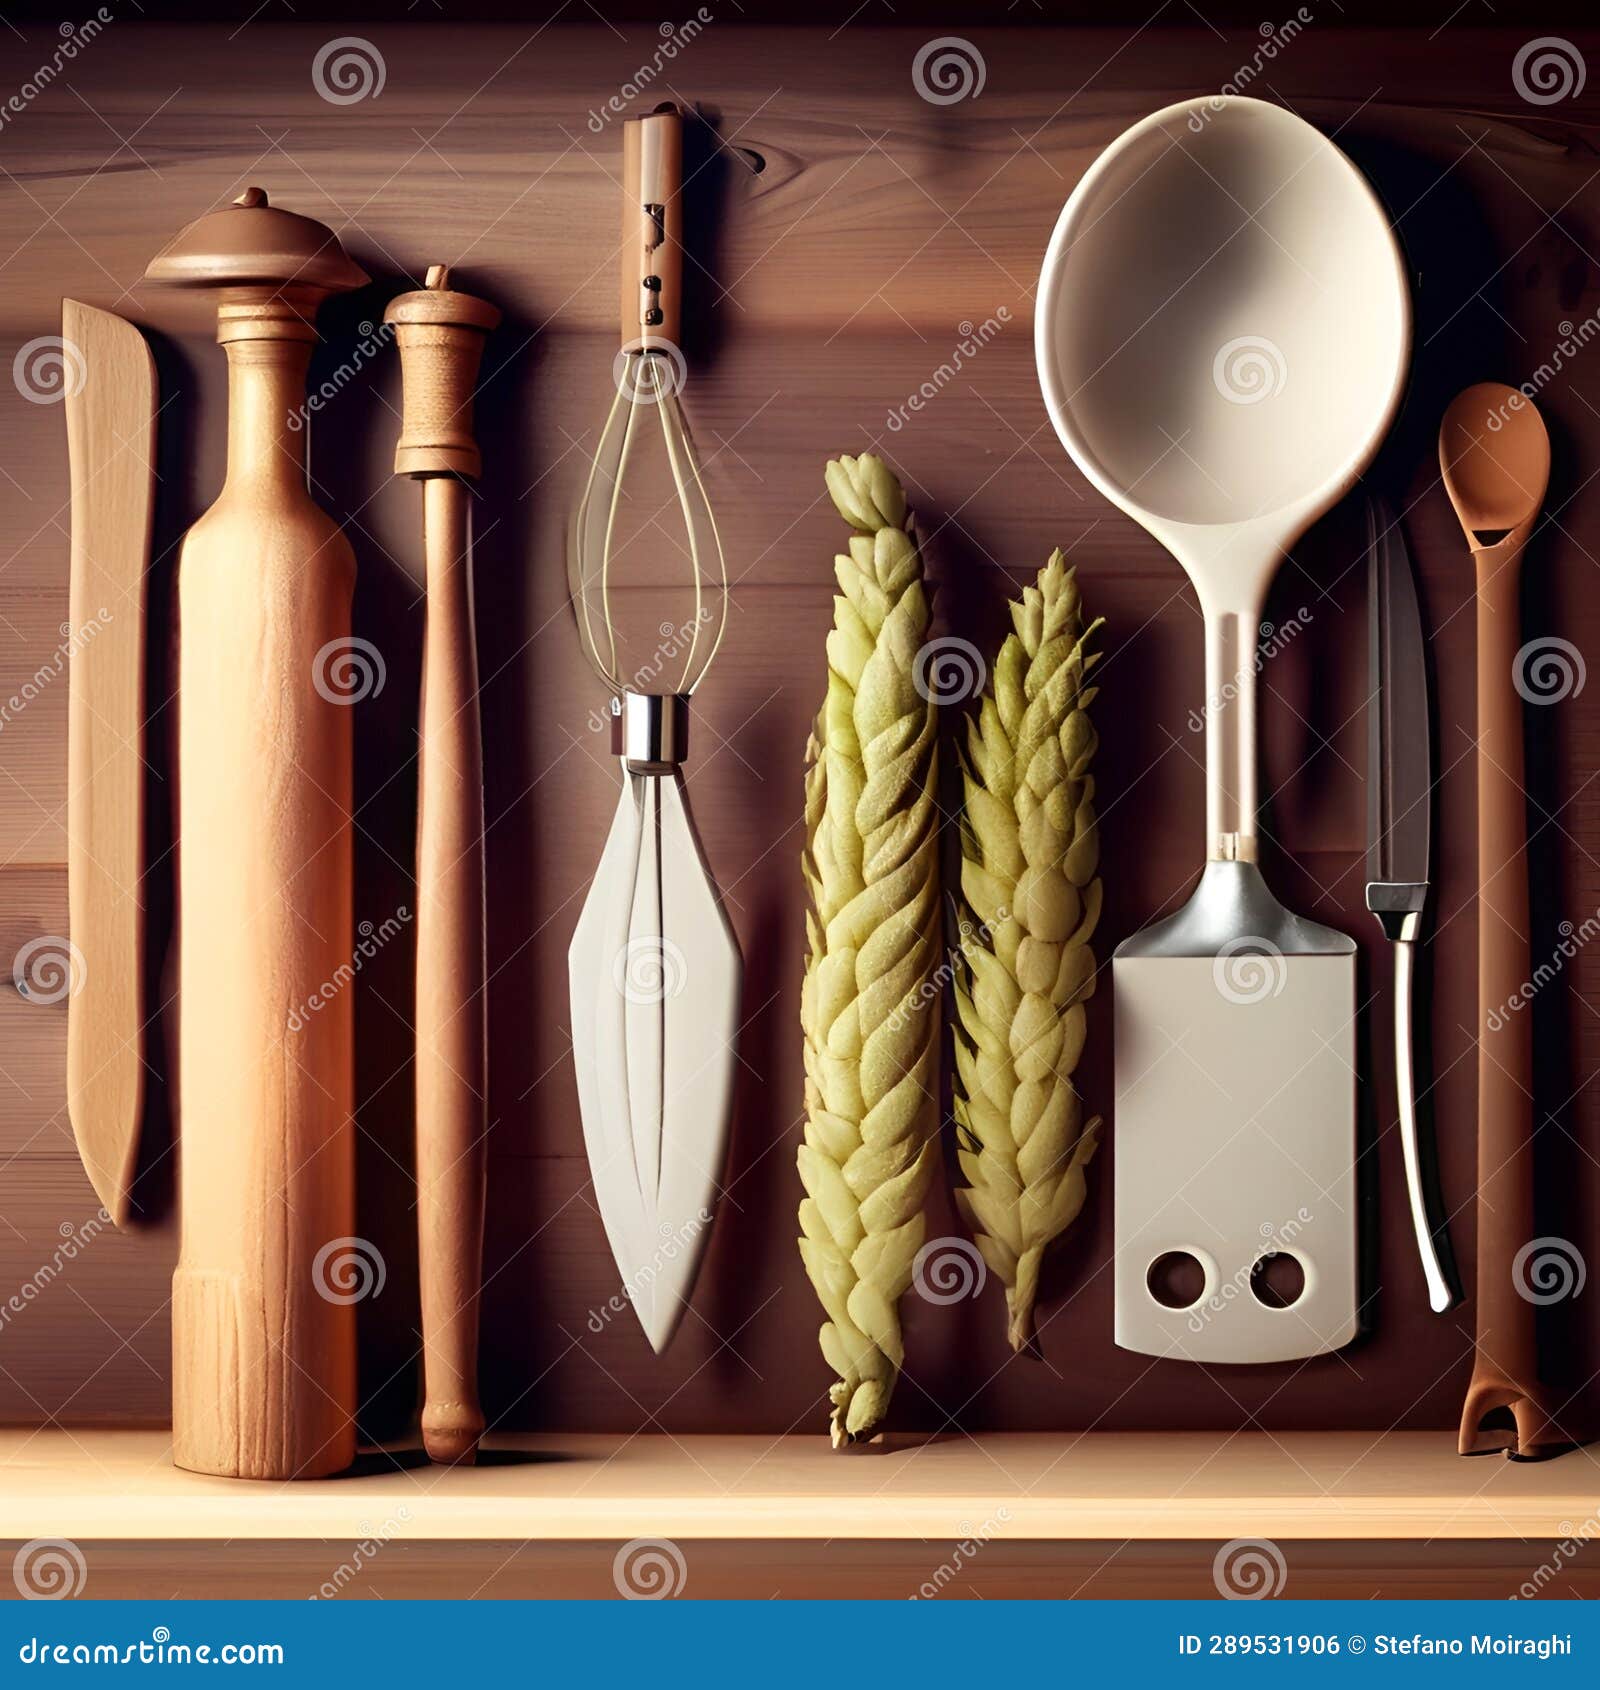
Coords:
pixel 441 335
pixel 263 1321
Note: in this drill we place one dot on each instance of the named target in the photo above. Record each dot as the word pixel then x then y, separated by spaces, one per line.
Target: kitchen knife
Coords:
pixel 1399 792
pixel 111 443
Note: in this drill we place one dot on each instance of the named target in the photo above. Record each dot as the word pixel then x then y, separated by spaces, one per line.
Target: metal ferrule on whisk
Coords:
pixel 650 731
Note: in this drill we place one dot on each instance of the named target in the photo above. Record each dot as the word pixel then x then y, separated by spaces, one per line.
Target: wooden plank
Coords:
pixel 746 1569
pixel 1155 1487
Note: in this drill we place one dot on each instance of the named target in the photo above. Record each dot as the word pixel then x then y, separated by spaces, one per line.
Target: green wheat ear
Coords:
pixel 869 1003
pixel 1027 909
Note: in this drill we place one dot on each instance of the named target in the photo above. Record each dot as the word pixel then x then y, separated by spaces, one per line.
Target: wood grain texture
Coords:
pixel 832 295
pixel 583 1488
pixel 746 1569
pixel 111 433
pixel 263 1322
pixel 441 336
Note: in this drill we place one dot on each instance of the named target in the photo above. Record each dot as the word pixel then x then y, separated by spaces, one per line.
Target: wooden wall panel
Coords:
pixel 835 282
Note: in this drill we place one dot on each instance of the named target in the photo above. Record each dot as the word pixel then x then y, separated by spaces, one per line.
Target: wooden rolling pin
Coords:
pixel 263 1316
pixel 441 335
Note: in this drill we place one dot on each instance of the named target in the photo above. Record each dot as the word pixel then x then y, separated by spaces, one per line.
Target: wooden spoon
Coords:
pixel 1494 455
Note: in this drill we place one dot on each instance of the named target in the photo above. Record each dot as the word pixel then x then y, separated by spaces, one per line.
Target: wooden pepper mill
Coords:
pixel 442 335
pixel 263 1317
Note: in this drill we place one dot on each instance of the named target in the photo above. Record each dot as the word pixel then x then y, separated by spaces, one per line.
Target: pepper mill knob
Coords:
pixel 441 334
pixel 252 244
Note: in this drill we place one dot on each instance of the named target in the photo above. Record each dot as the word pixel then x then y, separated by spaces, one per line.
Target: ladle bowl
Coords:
pixel 1222 335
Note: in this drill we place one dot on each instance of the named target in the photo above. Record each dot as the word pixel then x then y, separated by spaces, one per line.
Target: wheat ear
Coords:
pixel 1028 906
pixel 870 1001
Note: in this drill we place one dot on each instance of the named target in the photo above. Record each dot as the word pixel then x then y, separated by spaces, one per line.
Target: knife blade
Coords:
pixel 111 445
pixel 1399 798
pixel 1399 758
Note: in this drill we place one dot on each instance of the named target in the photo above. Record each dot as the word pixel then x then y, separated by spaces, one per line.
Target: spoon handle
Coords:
pixel 1505 1374
pixel 1231 639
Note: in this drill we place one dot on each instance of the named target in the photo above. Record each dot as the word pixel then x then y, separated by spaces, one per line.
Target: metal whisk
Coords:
pixel 654 969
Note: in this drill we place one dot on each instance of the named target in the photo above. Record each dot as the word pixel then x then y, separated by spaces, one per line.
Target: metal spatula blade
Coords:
pixel 654 974
pixel 1235 1132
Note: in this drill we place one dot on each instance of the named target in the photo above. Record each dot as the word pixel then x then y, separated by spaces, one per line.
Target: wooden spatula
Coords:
pixel 111 441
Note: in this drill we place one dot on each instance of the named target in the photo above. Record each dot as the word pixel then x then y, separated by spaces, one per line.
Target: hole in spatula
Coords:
pixel 1277 1281
pixel 1176 1280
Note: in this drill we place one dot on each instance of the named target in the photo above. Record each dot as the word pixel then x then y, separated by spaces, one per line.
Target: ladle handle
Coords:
pixel 1231 637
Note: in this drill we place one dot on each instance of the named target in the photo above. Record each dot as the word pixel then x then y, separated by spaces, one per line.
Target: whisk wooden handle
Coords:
pixel 441 335
pixel 652 217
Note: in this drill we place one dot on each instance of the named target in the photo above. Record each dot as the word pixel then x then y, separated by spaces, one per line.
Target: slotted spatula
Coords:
pixel 1222 337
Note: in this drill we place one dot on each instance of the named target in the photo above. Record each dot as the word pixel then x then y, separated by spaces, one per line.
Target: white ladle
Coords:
pixel 1222 335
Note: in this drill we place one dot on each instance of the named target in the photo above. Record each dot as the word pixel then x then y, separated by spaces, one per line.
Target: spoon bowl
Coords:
pixel 1222 338
pixel 1494 455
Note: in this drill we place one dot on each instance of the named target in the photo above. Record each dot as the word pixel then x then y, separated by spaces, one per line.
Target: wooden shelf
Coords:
pixel 120 1485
